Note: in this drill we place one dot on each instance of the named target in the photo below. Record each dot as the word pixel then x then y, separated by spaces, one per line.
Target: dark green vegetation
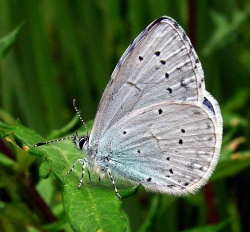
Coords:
pixel 53 51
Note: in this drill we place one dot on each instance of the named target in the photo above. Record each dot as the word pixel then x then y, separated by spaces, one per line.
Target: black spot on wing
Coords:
pixel 197 112
pixel 169 90
pixel 157 53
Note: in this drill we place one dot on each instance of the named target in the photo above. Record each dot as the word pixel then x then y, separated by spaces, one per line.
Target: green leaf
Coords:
pixel 234 164
pixel 130 192
pixel 95 206
pixel 7 42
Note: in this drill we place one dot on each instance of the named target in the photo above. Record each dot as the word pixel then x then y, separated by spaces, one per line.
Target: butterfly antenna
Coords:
pixel 80 117
pixel 53 141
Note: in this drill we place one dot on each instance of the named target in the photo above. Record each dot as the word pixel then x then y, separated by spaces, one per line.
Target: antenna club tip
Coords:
pixel 74 102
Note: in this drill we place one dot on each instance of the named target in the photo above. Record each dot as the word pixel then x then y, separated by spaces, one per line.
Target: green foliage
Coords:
pixel 7 42
pixel 68 50
pixel 100 201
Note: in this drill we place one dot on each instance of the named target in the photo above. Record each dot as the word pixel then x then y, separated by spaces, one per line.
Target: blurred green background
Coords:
pixel 68 49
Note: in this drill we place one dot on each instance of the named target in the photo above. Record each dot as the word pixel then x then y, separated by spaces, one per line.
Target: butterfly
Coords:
pixel 156 125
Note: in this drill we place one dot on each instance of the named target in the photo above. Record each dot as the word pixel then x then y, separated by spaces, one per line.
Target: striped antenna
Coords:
pixel 80 117
pixel 53 141
pixel 69 137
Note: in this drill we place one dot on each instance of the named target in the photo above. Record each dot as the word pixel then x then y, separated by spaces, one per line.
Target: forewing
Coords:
pixel 160 65
pixel 168 147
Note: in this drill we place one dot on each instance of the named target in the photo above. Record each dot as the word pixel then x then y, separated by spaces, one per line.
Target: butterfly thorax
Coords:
pixel 92 160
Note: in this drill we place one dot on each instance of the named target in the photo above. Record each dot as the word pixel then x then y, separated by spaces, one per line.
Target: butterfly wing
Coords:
pixel 160 65
pixel 167 147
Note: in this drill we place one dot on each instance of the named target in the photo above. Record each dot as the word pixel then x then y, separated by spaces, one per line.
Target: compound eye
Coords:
pixel 82 142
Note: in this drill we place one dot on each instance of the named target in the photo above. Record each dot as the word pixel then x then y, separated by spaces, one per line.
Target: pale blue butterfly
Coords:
pixel 156 125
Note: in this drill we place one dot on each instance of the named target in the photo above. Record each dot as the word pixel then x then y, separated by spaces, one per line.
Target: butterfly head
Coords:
pixel 81 142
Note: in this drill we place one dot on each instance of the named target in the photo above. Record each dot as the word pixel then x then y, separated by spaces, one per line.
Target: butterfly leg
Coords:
pixel 89 174
pixel 113 182
pixel 83 172
pixel 81 180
